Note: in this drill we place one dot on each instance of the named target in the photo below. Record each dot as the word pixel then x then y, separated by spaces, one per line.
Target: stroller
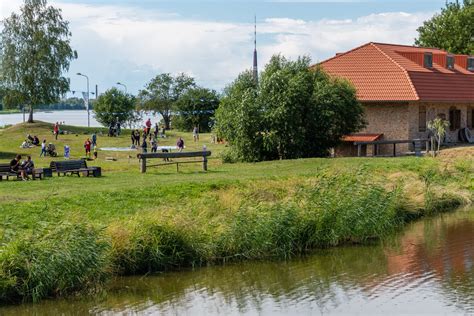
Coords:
pixel 51 150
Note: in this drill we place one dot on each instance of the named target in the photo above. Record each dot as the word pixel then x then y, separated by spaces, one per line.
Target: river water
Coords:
pixel 427 269
pixel 75 118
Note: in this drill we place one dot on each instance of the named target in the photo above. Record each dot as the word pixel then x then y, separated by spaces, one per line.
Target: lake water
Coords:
pixel 75 118
pixel 427 269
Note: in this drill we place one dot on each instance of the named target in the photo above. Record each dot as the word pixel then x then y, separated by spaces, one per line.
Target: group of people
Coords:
pixel 91 143
pixel 115 129
pixel 22 168
pixel 30 141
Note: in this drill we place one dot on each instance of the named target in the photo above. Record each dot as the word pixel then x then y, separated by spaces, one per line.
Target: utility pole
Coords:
pixel 87 100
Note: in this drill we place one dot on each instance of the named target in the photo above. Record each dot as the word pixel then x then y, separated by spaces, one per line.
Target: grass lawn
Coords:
pixel 75 233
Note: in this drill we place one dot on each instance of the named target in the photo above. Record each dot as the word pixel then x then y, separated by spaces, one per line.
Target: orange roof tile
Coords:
pixel 385 72
pixel 361 137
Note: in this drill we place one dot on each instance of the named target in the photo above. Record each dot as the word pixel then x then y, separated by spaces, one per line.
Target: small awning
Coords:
pixel 361 137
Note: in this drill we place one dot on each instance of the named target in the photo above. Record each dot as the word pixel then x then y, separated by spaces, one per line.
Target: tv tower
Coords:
pixel 255 66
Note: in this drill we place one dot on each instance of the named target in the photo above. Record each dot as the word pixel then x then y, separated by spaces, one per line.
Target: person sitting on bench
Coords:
pixel 28 166
pixel 15 166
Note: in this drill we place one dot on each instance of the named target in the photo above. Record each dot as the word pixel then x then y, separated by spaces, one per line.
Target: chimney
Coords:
pixel 461 61
pixel 440 59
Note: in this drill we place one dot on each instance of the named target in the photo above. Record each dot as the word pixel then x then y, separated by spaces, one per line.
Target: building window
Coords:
pixel 428 60
pixel 422 118
pixel 470 118
pixel 450 62
pixel 470 63
pixel 454 119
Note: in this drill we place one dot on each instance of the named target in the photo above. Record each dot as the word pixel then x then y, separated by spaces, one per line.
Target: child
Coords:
pixel 95 152
pixel 87 146
pixel 180 144
pixel 154 145
pixel 43 148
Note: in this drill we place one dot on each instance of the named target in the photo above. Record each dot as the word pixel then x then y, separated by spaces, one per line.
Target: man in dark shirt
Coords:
pixel 15 166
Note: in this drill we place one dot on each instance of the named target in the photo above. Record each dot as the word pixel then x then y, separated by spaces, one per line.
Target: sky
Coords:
pixel 131 41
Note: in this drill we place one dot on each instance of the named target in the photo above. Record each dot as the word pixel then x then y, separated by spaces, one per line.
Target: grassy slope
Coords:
pixel 165 219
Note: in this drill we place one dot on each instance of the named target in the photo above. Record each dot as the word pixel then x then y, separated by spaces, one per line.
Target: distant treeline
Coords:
pixel 64 104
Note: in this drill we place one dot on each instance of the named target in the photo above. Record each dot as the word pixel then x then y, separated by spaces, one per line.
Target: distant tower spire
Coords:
pixel 255 66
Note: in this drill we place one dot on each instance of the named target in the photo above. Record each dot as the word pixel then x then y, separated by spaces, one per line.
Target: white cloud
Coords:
pixel 131 45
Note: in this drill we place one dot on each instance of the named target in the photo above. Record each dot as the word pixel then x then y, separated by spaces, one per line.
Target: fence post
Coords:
pixel 143 164
pixel 204 163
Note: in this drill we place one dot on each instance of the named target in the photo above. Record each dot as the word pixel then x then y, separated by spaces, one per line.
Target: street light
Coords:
pixel 87 100
pixel 121 84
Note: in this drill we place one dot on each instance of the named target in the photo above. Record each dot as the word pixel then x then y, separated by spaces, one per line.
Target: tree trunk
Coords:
pixel 30 116
pixel 439 143
pixel 166 119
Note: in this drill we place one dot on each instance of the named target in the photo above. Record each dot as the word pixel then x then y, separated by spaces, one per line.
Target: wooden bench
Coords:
pixel 74 167
pixel 6 172
pixel 167 156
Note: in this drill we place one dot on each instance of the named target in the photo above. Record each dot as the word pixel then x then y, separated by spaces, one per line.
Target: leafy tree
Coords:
pixel 238 119
pixel 196 107
pixel 34 52
pixel 115 106
pixel 451 30
pixel 293 112
pixel 162 92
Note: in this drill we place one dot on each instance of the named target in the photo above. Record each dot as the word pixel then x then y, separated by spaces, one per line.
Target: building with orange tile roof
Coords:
pixel 404 87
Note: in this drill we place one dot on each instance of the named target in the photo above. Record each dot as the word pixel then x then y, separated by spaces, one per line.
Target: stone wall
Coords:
pixel 389 119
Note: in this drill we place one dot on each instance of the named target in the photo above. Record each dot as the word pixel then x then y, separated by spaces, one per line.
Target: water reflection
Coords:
pixel 428 269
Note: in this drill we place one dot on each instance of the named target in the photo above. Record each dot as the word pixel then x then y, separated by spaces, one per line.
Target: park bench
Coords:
pixel 74 167
pixel 6 172
pixel 167 156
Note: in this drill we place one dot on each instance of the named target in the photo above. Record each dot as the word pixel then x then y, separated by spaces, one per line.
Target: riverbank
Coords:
pixel 67 235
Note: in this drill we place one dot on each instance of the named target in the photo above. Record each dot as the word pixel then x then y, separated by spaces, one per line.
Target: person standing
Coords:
pixel 144 146
pixel 132 137
pixel 56 130
pixel 87 146
pixel 119 128
pixel 156 130
pixel 94 139
pixel 180 144
pixel 43 148
pixel 137 137
pixel 148 126
pixel 195 133
pixel 154 145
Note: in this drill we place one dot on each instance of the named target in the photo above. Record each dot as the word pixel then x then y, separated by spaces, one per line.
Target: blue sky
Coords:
pixel 132 41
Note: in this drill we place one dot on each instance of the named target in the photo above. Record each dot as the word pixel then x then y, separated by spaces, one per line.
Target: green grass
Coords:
pixel 65 235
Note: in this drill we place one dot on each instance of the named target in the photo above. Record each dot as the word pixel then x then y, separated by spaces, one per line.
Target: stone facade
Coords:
pixel 391 119
pixel 401 121
pixel 434 110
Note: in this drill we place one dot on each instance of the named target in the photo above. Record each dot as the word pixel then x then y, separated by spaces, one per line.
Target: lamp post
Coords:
pixel 121 84
pixel 87 100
